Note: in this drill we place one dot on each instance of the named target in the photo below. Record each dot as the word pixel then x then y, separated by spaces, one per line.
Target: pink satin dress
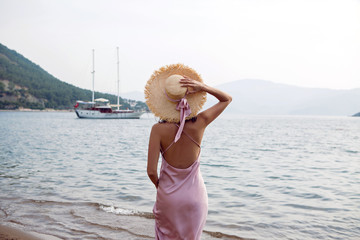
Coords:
pixel 181 203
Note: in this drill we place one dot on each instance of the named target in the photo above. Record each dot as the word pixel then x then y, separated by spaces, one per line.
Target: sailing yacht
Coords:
pixel 101 108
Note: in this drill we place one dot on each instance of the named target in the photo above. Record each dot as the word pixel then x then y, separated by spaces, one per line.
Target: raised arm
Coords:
pixel 213 112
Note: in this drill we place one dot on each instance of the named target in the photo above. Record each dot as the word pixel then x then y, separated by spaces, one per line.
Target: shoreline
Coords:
pixel 36 110
pixel 13 233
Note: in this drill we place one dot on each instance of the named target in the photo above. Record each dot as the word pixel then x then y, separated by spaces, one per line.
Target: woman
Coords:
pixel 176 93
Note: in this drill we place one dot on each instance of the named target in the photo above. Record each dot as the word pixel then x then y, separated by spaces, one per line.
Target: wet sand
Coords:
pixel 11 233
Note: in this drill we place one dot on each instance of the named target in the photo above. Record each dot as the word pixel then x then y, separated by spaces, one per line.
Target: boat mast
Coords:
pixel 93 75
pixel 118 80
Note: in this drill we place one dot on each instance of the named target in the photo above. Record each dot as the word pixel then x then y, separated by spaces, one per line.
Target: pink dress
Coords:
pixel 181 203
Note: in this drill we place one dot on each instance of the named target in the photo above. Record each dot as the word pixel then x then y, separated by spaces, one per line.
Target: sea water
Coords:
pixel 267 177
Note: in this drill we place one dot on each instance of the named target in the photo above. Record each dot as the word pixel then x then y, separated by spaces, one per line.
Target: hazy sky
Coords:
pixel 312 43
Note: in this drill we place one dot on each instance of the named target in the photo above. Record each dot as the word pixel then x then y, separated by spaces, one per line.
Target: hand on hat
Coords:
pixel 192 85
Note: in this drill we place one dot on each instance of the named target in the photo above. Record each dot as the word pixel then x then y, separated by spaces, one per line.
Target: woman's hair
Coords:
pixel 193 119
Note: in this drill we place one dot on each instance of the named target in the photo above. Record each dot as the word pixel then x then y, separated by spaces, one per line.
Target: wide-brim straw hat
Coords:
pixel 163 87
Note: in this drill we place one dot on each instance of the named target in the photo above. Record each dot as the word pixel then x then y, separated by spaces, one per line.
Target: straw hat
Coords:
pixel 163 92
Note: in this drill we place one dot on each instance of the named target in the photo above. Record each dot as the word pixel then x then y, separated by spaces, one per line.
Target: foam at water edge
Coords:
pixel 120 211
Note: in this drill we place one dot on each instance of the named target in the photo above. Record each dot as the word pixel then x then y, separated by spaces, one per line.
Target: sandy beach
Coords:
pixel 11 233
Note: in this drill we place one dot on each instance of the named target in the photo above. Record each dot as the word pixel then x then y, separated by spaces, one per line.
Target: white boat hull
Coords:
pixel 114 115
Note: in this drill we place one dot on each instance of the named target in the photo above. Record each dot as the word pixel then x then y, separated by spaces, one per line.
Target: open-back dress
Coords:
pixel 181 203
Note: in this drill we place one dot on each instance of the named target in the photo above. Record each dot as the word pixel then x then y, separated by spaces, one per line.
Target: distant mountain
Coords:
pixel 259 97
pixel 251 96
pixel 25 84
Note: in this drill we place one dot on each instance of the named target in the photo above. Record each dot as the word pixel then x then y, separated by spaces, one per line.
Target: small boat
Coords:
pixel 101 108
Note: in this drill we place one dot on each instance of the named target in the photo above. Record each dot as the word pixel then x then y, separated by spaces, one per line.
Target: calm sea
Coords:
pixel 267 177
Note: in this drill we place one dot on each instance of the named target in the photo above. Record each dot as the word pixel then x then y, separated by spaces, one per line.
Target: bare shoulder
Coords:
pixel 160 128
pixel 196 128
pixel 210 114
pixel 156 126
pixel 201 120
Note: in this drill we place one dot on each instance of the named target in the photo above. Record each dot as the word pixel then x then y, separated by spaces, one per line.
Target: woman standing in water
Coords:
pixel 176 93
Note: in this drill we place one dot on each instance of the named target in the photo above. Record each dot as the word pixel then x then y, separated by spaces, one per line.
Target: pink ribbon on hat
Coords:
pixel 185 111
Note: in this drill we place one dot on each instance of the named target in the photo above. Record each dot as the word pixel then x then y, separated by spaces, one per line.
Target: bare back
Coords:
pixel 185 151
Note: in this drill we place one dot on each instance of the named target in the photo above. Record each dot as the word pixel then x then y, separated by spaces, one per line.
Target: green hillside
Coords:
pixel 25 84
